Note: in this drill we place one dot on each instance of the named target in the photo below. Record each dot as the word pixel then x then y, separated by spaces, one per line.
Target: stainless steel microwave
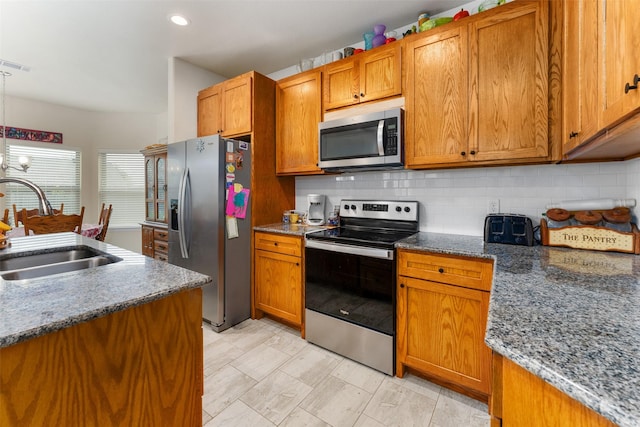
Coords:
pixel 365 142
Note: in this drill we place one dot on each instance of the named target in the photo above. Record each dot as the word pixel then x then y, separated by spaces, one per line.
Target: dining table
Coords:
pixel 88 230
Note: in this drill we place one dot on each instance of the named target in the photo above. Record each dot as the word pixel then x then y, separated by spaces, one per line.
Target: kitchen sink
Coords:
pixel 33 264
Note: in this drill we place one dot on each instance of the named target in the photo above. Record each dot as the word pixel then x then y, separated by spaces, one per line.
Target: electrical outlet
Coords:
pixel 493 206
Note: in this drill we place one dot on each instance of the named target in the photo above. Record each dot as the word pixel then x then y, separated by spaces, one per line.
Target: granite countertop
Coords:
pixel 292 229
pixel 569 316
pixel 34 307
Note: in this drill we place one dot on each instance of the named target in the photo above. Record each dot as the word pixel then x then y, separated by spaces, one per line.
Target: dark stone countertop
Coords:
pixel 34 307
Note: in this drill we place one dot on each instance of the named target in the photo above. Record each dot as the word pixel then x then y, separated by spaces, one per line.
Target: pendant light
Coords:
pixel 23 161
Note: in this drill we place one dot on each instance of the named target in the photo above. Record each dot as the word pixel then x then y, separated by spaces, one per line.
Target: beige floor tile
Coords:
pixel 453 410
pixel 311 365
pixel 218 354
pixel 395 405
pixel 359 375
pixel 249 334
pixel 336 402
pixel 301 418
pixel 288 342
pixel 239 415
pixel 223 387
pixel 260 362
pixel 418 385
pixel 366 421
pixel 276 396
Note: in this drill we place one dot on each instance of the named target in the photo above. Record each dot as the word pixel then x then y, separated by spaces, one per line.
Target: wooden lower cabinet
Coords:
pixel 139 366
pixel 521 399
pixel 155 241
pixel 278 278
pixel 442 307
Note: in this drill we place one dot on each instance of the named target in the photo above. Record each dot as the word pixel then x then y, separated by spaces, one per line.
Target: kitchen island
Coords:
pixel 119 344
pixel 569 317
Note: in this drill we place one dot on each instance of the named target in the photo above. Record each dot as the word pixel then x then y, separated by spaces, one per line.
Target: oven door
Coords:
pixel 351 283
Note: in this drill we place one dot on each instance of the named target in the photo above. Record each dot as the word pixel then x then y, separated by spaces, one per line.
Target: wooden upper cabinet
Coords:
pixel 436 113
pixel 226 108
pixel 619 34
pixel 477 89
pixel 364 77
pixel 579 73
pixel 508 75
pixel 298 112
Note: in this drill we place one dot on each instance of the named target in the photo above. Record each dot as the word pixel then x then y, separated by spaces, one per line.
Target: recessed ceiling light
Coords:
pixel 179 20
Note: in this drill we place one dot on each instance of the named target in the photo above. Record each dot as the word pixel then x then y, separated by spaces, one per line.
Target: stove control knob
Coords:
pixel 407 209
pixel 353 207
pixel 346 207
pixel 398 209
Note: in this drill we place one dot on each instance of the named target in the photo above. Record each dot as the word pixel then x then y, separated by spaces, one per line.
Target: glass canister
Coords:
pixel 557 218
pixel 618 219
pixel 588 218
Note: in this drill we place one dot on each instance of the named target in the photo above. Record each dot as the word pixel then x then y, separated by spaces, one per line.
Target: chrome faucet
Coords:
pixel 45 206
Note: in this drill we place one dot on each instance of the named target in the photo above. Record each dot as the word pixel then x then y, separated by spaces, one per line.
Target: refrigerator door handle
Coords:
pixel 182 200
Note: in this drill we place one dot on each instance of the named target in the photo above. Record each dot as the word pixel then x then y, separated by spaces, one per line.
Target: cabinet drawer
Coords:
pixel 472 273
pixel 279 243
pixel 160 246
pixel 161 257
pixel 160 234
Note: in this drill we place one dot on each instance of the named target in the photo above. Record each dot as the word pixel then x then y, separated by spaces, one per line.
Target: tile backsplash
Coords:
pixel 456 200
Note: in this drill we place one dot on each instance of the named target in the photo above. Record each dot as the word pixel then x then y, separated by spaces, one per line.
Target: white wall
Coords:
pixel 185 81
pixel 89 132
pixel 455 200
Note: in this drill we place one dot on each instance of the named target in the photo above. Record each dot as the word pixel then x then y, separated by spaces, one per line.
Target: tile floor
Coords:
pixel 261 373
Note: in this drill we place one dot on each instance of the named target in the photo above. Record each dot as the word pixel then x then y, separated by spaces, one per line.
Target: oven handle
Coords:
pixel 352 250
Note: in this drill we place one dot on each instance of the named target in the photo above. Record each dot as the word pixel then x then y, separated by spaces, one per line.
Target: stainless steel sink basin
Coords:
pixel 29 265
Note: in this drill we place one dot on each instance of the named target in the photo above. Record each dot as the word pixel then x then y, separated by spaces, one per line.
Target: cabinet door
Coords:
pixel 298 112
pixel 161 188
pixel 340 83
pixel 150 187
pixel 509 83
pixel 210 111
pixel 278 285
pixel 441 332
pixel 619 32
pixel 237 106
pixel 579 73
pixel 380 73
pixel 147 241
pixel 436 98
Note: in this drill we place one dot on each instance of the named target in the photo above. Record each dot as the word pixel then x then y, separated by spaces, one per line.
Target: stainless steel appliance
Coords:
pixel 368 141
pixel 350 280
pixel 200 172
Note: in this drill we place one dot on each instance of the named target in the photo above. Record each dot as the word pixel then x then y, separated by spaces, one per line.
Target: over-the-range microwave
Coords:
pixel 365 142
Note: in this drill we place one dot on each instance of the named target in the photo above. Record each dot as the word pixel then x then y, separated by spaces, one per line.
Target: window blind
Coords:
pixel 56 171
pixel 121 184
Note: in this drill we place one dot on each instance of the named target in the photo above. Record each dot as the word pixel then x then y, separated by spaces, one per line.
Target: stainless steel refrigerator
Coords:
pixel 201 172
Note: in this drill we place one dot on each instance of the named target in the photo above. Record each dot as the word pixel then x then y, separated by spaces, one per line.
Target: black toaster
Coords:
pixel 512 229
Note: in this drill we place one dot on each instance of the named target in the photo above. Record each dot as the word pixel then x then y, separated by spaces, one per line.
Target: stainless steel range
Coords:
pixel 350 280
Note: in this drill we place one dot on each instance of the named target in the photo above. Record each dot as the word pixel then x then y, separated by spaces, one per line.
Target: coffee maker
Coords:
pixel 316 209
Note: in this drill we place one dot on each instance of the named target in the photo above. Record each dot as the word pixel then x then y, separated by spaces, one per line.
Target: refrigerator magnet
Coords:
pixel 239 159
pixel 242 145
pixel 229 146
pixel 232 227
pixel 231 168
pixel 230 158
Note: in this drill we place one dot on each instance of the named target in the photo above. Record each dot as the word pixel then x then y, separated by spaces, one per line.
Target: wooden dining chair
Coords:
pixel 57 223
pixel 17 213
pixel 105 216
pixel 5 218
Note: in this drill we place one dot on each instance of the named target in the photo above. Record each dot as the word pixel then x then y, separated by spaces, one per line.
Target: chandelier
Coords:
pixel 23 161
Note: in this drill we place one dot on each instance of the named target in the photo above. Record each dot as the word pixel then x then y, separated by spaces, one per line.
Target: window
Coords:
pixel 56 171
pixel 121 184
